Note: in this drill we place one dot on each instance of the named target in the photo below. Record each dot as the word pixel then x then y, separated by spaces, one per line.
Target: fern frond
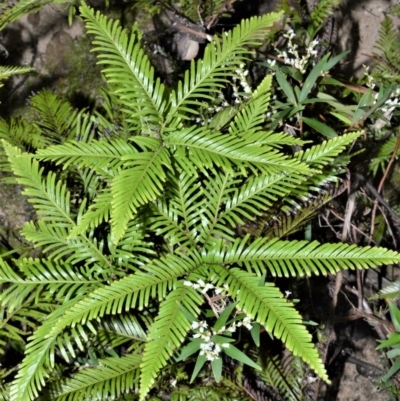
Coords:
pixel 99 211
pixel 287 224
pixel 56 119
pixel 49 199
pixel 275 375
pixel 207 76
pixel 116 330
pixel 391 291
pixel 388 58
pixel 75 250
pixel 177 215
pixel 322 10
pixel 7 72
pixel 256 195
pixel 112 378
pixel 39 359
pixel 206 149
pixel 22 7
pixel 127 69
pixel 132 291
pixel 266 305
pixel 297 258
pixel 320 155
pixel 59 278
pixel 140 182
pixel 98 155
pixel 167 333
pixel 379 162
pixel 252 116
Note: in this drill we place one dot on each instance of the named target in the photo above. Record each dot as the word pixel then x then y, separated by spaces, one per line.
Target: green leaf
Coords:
pixel 216 366
pixel 201 360
pixel 286 87
pixel 224 316
pixel 320 127
pixel 234 353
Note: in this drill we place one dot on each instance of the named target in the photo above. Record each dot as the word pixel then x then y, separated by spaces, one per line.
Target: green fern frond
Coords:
pixel 208 149
pixel 140 182
pixel 59 278
pixel 116 330
pixel 266 305
pixel 56 244
pixel 177 215
pixel 132 291
pixel 167 333
pixel 379 162
pixel 112 378
pixel 7 72
pixel 287 224
pixel 322 10
pixel 39 359
pixel 252 116
pixel 99 155
pixel 127 69
pixel 391 291
pixel 98 212
pixel 206 77
pixel 56 119
pixel 275 375
pixel 320 155
pixel 388 59
pixel 22 7
pixel 256 195
pixel 297 258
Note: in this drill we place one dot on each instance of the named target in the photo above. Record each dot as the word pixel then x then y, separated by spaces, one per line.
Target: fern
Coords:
pixel 136 228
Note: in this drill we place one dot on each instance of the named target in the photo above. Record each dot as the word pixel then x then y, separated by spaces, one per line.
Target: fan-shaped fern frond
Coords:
pixel 127 68
pixel 266 305
pixel 109 380
pixel 207 76
pixel 297 258
pixel 167 333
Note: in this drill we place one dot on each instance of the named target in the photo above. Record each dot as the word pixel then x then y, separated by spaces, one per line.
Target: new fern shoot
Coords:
pixel 138 207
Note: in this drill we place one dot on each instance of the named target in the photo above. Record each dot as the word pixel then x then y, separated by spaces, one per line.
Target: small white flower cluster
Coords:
pixel 204 287
pixel 241 74
pixel 209 347
pixel 370 79
pixel 298 62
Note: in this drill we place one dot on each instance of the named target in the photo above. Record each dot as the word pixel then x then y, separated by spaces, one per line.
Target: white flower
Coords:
pixel 217 349
pixel 195 325
pixel 288 293
pixel 247 322
pixel 201 282
pixel 188 283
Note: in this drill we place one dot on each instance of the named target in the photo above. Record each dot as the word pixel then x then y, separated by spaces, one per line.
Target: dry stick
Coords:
pixel 391 161
pixel 350 206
